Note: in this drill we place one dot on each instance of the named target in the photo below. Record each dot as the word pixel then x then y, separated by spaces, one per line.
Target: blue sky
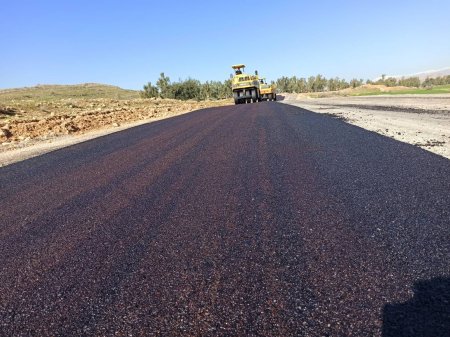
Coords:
pixel 128 43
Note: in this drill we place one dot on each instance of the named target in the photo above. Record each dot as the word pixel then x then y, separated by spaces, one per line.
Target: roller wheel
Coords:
pixel 254 98
pixel 236 97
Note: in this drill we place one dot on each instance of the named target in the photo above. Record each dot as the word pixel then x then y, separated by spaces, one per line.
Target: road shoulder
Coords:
pixel 421 120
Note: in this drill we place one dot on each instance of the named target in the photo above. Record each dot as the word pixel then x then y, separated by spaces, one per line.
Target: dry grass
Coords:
pixel 56 92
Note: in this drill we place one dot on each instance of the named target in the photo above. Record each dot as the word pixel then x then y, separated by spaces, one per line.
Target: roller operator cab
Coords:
pixel 268 91
pixel 245 86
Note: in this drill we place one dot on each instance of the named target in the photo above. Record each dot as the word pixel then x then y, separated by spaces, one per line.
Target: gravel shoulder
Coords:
pixel 421 120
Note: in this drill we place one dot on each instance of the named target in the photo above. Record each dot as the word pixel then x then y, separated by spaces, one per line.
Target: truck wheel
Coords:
pixel 275 97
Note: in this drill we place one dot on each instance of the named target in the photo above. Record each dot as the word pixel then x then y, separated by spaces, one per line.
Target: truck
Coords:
pixel 245 87
pixel 268 92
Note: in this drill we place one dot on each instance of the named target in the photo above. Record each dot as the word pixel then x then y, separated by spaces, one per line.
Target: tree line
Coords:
pixel 412 81
pixel 441 80
pixel 194 89
pixel 314 84
pixel 319 83
pixel 187 89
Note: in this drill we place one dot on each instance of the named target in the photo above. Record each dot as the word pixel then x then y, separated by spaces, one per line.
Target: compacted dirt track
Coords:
pixel 250 220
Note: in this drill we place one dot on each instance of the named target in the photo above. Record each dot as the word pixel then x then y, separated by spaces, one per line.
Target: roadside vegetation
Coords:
pixel 409 85
pixel 187 89
pixel 374 90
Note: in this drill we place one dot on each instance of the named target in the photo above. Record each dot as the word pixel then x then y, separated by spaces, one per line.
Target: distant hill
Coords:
pixel 422 75
pixel 86 90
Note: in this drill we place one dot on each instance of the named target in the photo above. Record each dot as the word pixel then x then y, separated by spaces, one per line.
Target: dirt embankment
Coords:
pixel 421 120
pixel 27 121
pixel 30 127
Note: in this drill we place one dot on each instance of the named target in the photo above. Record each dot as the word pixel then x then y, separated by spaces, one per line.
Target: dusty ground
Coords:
pixel 29 127
pixel 421 120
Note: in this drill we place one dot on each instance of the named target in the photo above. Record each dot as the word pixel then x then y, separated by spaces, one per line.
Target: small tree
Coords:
pixel 333 84
pixel 354 83
pixel 390 82
pixel 428 83
pixel 409 82
pixel 163 85
pixel 149 91
pixel 188 89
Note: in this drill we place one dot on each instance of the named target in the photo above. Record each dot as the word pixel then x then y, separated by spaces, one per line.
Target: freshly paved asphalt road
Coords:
pixel 250 220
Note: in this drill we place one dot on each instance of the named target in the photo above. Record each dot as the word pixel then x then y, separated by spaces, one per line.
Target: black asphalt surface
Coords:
pixel 250 220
